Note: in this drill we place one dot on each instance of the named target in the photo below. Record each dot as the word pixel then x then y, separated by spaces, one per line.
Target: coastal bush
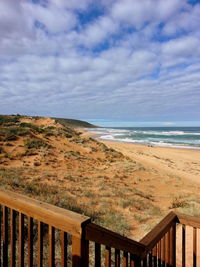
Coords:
pixel 32 127
pixel 10 137
pixel 12 133
pixel 178 202
pixel 18 131
pixel 77 140
pixel 8 119
pixel 34 143
pixel 1 150
pixel 66 133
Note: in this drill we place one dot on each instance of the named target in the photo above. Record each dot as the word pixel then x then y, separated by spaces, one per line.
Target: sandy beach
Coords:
pixel 170 175
pixel 179 162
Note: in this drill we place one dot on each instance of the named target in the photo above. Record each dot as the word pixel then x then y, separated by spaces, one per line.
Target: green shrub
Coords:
pixel 35 143
pixel 8 119
pixel 178 202
pixel 32 127
pixel 10 137
pixel 1 150
pixel 18 131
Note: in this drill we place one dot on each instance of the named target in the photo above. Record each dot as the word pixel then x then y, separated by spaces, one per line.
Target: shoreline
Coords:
pixel 177 162
pixel 87 133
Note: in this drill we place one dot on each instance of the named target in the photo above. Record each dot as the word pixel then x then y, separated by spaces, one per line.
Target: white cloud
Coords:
pixel 54 19
pixel 71 4
pixel 98 31
pixel 180 50
pixel 187 21
pixel 184 46
pixel 14 23
pixel 59 71
pixel 137 13
pixel 132 12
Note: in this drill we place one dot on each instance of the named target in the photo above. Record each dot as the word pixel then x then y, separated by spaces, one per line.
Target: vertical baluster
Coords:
pixel 194 246
pixel 108 257
pixel 12 238
pixel 154 253
pixel 159 253
pixel 30 241
pixel 21 240
pixel 135 261
pixel 198 248
pixel 125 259
pixel 145 262
pixel 97 255
pixel 167 249
pixel 40 244
pixel 188 246
pixel 5 236
pixel 173 245
pixel 150 259
pixel 51 246
pixel 117 258
pixel 132 261
pixel 80 252
pixel 163 251
pixel 179 245
pixel 64 243
pixel 0 231
pixel 183 246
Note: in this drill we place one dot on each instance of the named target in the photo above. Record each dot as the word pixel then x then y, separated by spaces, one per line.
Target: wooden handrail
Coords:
pixel 188 220
pixel 151 239
pixel 83 231
pixel 62 219
pixel 108 238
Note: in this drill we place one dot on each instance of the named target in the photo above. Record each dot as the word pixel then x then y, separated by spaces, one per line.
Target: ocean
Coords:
pixel 179 137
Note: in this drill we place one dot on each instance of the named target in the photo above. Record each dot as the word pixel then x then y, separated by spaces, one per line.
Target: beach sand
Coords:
pixel 171 176
pixel 180 162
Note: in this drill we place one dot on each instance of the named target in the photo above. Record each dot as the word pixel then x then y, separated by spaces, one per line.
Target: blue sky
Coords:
pixel 107 61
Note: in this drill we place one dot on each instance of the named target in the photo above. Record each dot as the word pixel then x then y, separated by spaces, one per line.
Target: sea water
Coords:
pixel 179 137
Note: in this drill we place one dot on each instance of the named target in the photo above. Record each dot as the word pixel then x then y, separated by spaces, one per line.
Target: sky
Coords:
pixel 105 61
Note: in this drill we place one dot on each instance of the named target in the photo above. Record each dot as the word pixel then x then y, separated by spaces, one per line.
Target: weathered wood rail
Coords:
pixel 33 233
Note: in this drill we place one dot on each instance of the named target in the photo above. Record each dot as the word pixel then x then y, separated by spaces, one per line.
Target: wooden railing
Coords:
pixel 33 233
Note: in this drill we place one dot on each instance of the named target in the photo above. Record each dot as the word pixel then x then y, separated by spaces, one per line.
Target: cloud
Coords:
pixel 137 14
pixel 187 21
pixel 181 50
pixel 131 60
pixel 53 18
pixel 71 4
pixel 13 21
pixel 98 31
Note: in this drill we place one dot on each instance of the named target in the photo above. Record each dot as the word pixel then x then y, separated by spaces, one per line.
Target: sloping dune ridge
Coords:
pixel 127 188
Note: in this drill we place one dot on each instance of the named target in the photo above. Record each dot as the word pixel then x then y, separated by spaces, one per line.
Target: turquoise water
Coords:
pixel 187 137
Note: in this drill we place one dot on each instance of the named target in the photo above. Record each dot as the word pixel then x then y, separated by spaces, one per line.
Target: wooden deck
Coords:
pixel 33 233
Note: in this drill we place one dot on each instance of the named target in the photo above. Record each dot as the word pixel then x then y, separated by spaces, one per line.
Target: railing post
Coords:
pixel 5 236
pixel 80 252
pixel 173 245
pixel 135 261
